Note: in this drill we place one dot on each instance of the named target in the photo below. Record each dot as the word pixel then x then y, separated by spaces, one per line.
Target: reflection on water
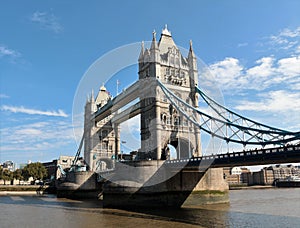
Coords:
pixel 248 208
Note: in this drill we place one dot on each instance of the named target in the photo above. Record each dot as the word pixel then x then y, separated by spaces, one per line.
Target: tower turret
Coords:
pixel 102 97
pixel 162 124
pixel 193 72
pixel 154 51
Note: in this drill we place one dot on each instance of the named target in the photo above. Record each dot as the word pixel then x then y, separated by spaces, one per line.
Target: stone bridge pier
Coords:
pixel 155 184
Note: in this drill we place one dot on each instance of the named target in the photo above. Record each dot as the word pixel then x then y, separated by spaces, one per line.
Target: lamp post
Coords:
pixel 122 142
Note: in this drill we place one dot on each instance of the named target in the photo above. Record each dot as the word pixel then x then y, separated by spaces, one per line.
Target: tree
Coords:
pixel 35 170
pixel 1 172
pixel 18 175
pixel 7 175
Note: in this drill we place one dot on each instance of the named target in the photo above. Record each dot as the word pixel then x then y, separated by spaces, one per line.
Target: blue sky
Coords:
pixel 252 48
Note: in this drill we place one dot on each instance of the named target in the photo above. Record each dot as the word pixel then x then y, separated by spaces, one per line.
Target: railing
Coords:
pixel 245 154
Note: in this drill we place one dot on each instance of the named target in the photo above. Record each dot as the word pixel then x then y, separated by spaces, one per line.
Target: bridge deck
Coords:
pixel 128 95
pixel 288 154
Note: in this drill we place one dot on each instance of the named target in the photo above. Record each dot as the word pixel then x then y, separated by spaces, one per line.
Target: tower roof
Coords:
pixel 102 97
pixel 191 51
pixel 102 88
pixel 166 41
pixel 165 31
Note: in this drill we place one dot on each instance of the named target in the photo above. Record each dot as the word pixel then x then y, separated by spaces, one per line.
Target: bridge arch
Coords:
pixel 182 146
pixel 104 164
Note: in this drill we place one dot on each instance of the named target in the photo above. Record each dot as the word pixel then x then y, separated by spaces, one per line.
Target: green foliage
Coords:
pixel 7 175
pixel 17 174
pixel 1 172
pixel 35 170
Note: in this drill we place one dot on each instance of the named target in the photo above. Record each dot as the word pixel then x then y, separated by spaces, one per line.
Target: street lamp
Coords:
pixel 122 142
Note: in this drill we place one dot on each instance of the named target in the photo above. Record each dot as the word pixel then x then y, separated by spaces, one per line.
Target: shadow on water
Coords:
pixel 49 201
pixel 220 215
pixel 193 216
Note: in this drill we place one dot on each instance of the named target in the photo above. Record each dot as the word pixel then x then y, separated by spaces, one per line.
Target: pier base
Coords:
pixel 79 185
pixel 155 185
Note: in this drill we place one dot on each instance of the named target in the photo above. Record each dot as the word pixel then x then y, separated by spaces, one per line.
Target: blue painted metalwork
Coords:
pixel 231 126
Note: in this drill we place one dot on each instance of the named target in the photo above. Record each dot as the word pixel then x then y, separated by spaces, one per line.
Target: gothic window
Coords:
pixel 147 123
pixel 168 121
pixel 177 61
pixel 172 60
pixel 104 133
pixel 185 123
pixel 165 98
pixel 172 71
pixel 177 73
pixel 182 74
pixel 164 118
pixel 167 71
pixel 176 120
pixel 104 146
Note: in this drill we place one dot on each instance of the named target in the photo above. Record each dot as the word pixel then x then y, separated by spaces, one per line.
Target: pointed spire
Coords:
pixel 191 45
pixel 154 43
pixel 92 96
pixel 165 31
pixel 143 47
pixel 154 35
pixel 154 49
pixel 191 51
pixel 141 57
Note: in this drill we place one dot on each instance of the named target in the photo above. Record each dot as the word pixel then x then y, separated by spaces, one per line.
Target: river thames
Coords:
pixel 247 208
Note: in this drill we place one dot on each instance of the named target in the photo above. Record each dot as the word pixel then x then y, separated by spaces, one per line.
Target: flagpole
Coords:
pixel 118 82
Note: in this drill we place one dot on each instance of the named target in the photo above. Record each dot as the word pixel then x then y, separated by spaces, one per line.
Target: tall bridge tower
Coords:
pixel 161 123
pixel 100 137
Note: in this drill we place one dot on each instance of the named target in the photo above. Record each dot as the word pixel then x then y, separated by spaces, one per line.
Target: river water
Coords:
pixel 247 208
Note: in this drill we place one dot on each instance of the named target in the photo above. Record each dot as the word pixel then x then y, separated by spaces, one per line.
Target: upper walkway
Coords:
pixel 286 154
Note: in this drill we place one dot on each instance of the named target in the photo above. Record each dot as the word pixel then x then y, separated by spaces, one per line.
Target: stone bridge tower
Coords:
pixel 100 136
pixel 161 123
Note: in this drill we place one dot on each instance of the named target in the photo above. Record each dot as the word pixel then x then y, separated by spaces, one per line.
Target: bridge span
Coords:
pixel 286 154
pixel 167 98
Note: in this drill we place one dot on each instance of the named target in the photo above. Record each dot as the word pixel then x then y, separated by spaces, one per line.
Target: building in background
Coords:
pixel 266 176
pixel 57 168
pixel 236 175
pixel 9 165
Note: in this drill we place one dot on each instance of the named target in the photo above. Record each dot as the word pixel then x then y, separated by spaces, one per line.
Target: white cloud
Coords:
pixel 289 66
pixel 286 39
pixel 228 72
pixel 278 108
pixel 242 45
pixel 47 21
pixel 4 51
pixel 2 96
pixel 273 101
pixel 21 109
pixel 290 33
pixel 263 69
pixel 231 75
pixel 29 131
pixel 42 135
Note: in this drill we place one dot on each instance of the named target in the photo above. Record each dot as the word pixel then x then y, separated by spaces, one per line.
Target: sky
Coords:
pixel 46 47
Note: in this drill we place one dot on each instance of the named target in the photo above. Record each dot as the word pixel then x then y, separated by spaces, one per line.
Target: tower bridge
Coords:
pixel 167 95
